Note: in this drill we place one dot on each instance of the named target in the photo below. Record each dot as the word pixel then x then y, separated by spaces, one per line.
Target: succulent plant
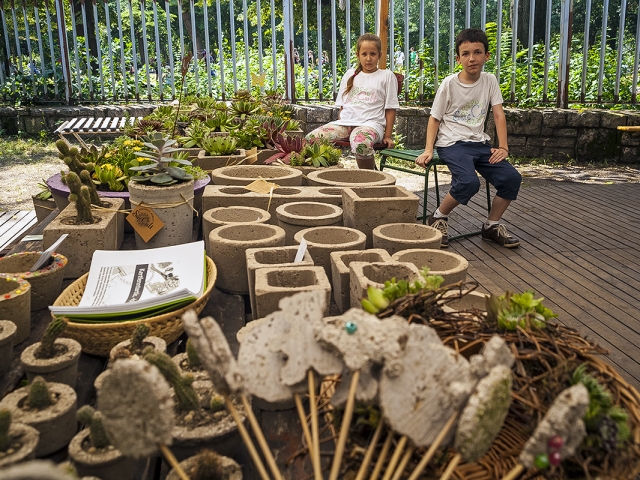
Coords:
pixel 244 108
pixel 207 466
pixel 38 396
pixel 221 122
pixel 95 421
pixel 182 384
pixel 5 424
pixel 164 169
pixel 137 338
pixel 286 146
pixel 47 345
pixel 194 134
pixel 110 175
pixel 192 356
pixel 219 145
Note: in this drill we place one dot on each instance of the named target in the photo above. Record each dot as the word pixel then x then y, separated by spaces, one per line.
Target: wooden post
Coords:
pixel 382 30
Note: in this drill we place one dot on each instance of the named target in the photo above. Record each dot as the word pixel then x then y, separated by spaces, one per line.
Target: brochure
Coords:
pixel 126 284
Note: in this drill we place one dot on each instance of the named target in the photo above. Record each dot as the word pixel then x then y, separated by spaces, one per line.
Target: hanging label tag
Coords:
pixel 145 222
pixel 300 253
pixel 261 186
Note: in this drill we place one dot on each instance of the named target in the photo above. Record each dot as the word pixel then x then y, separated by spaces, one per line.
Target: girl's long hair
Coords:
pixel 367 37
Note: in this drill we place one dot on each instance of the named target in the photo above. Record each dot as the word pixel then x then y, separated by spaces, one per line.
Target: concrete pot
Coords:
pixel 109 464
pixel 15 305
pixel 217 217
pixel 321 241
pixel 106 234
pixel 227 247
pixel 451 266
pixel 212 162
pixel 364 274
pixel 296 216
pixel 230 469
pixel 245 174
pixel 180 360
pixel 469 301
pixel 395 237
pixel 168 203
pixel 306 170
pixel 43 207
pixel 57 423
pixel 7 335
pixel 46 283
pixel 349 178
pixel 264 154
pixel 28 437
pixel 61 369
pixel 150 341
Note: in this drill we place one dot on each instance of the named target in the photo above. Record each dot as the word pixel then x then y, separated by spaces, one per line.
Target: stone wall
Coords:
pixel 561 135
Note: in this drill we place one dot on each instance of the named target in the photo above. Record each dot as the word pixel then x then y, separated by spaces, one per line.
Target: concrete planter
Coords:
pixel 321 241
pixel 451 266
pixel 118 351
pixel 168 203
pixel 340 274
pixel 212 162
pixel 395 237
pixel 62 368
pixel 306 170
pixel 278 257
pixel 363 274
pixel 106 234
pixel 263 155
pixel 365 208
pixel 57 423
pixel 217 217
pixel 28 437
pixel 43 207
pixel 296 216
pixel 7 335
pixel 245 174
pixel 110 464
pixel 470 301
pixel 193 152
pixel 227 247
pixel 46 283
pixel 15 305
pixel 181 361
pixel 349 178
pixel 230 469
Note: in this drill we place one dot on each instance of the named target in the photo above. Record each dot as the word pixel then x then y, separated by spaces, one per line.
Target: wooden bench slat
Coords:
pixel 21 222
pixel 87 125
pixel 78 126
pixel 114 123
pixel 122 122
pixel 62 127
pixel 71 123
pixel 105 124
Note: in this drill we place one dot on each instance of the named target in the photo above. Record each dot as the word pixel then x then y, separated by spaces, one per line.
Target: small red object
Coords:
pixel 555 442
pixel 555 459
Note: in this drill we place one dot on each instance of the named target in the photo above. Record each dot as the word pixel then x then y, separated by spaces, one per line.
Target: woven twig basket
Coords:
pixel 99 338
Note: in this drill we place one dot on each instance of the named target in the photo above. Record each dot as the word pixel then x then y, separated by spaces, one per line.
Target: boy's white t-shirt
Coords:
pixel 462 108
pixel 370 96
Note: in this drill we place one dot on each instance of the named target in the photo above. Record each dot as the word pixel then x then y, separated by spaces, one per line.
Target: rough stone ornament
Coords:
pixel 366 391
pixel 495 352
pixel 138 407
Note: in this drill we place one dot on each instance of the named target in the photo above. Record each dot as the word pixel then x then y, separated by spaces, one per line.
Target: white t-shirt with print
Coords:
pixel 370 96
pixel 462 108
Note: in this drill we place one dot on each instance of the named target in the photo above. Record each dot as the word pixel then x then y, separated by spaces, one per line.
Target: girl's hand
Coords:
pixel 388 141
pixel 424 158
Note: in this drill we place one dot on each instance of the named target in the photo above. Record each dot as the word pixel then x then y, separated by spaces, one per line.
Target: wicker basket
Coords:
pixel 98 339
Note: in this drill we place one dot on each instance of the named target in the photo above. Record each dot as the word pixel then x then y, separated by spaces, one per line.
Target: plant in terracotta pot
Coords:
pixel 50 408
pixel 53 358
pixel 18 442
pixel 93 454
pixel 43 202
pixel 208 465
pixel 7 335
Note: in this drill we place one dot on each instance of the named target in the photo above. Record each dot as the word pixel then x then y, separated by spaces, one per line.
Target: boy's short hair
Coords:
pixel 472 35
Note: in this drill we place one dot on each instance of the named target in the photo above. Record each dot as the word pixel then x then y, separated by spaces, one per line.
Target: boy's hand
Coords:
pixel 498 154
pixel 424 158
pixel 388 141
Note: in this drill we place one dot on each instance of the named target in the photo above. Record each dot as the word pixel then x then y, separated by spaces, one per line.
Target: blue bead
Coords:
pixel 351 328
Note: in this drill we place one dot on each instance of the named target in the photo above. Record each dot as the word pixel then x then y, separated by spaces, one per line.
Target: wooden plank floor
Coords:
pixel 14 225
pixel 579 250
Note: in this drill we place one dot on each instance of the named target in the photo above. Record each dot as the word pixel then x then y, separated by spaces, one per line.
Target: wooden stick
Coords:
pixel 315 442
pixel 514 472
pixel 344 428
pixel 451 467
pixel 246 438
pixel 432 449
pixel 173 461
pixel 264 446
pixel 305 429
pixel 394 458
pixel 370 450
pixel 382 457
pixel 403 463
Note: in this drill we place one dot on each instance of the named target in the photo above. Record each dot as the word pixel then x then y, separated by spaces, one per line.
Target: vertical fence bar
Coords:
pixel 566 20
pixel 452 44
pixel 585 50
pixel 274 46
pixel 7 45
pixel 31 65
pixel 532 14
pixel 498 41
pixel 156 32
pixel 623 12
pixel 333 46
pixel 123 67
pixel 348 28
pixel 134 50
pixel 420 46
pixel 96 24
pixel 36 15
pixel 287 20
pixel 64 49
pixel 246 43
pixel 636 61
pixel 172 72
pixel 259 29
pixel 436 46
pixel 232 20
pixel 392 36
pixel 407 57
pixel 220 49
pixel 109 49
pixel 319 57
pixel 514 49
pixel 16 35
pixel 483 15
pixel 51 50
pixel 305 42
pixel 547 40
pixel 467 17
pixel 362 22
pixel 207 45
pixel 76 57
pixel 603 45
pixel 145 45
pixel 183 52
pixel 83 8
pixel 194 41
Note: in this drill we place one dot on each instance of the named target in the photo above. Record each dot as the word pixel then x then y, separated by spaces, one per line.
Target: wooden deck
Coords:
pixel 579 250
pixel 14 225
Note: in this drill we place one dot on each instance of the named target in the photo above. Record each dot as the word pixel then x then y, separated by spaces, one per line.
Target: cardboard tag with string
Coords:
pixel 261 186
pixel 145 222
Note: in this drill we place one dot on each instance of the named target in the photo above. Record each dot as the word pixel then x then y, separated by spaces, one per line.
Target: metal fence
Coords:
pixel 543 51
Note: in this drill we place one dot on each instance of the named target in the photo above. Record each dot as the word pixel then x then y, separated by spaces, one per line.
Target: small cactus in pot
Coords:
pixel 95 421
pixel 17 441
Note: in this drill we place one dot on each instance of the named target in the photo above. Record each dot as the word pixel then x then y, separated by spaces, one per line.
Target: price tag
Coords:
pixel 145 222
pixel 261 186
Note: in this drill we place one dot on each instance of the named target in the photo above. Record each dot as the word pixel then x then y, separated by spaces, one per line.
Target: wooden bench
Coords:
pixel 93 126
pixel 13 226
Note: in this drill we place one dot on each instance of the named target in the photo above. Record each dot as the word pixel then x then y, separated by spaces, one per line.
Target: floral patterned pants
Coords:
pixel 361 138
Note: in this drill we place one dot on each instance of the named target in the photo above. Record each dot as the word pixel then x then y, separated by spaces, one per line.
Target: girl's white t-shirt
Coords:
pixel 371 95
pixel 462 108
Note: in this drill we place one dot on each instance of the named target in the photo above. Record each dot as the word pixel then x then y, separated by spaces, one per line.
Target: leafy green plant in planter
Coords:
pixel 194 134
pixel 221 123
pixel 250 135
pixel 318 153
pixel 243 109
pixel 44 193
pixel 217 146
pixel 163 169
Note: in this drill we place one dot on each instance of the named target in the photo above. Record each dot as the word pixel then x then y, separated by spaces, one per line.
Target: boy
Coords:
pixel 457 120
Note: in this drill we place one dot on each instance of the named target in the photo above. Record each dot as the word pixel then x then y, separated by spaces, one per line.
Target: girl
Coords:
pixel 368 99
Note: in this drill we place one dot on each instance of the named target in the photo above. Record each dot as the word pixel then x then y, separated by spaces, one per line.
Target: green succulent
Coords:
pixel 110 175
pixel 219 145
pixel 163 169
pixel 320 154
pixel 244 108
pixel 513 310
pixel 44 193
pixel 221 122
pixel 193 134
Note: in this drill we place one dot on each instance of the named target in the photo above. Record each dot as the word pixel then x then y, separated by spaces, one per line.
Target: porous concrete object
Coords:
pixel 36 469
pixel 434 384
pixel 217 217
pixel 214 353
pixel 321 241
pixel 227 247
pixel 484 415
pixel 138 407
pixel 340 262
pixel 109 463
pixel 245 174
pixel 563 418
pixel 365 274
pixel 15 305
pixel 83 240
pixel 276 257
pixel 29 437
pixel 366 390
pixel 470 300
pixel 118 350
pixel 7 336
pixel 62 368
pixel 365 208
pixel 274 284
pixel 212 162
pixel 396 237
pixel 349 178
pixel 450 266
pixel 230 470
pixel 296 216
pixel 495 352
pixel 216 196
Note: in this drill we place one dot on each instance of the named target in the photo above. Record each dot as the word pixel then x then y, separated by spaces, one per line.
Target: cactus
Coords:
pixel 138 337
pixel 95 420
pixel 47 345
pixel 182 385
pixel 80 195
pixel 208 466
pixel 39 397
pixel 192 356
pixel 5 423
pixel 217 403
